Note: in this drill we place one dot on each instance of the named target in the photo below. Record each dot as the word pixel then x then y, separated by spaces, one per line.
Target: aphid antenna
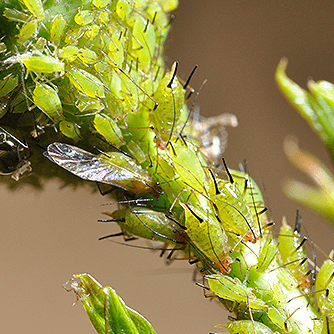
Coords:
pixel 110 38
pixel 183 138
pixel 193 105
pixel 24 145
pixel 299 261
pixel 132 201
pixel 250 314
pixel 156 74
pixel 114 147
pixel 135 246
pixel 170 210
pixel 298 223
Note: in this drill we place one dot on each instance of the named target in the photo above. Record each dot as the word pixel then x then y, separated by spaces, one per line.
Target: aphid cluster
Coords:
pixel 93 76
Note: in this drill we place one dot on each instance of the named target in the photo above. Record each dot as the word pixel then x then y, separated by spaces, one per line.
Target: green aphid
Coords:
pixel 208 235
pixel 13 14
pixel 92 31
pixel 253 195
pixel 27 30
pixel 233 209
pixel 135 150
pixel 47 100
pixel 69 53
pixel 36 8
pixel 292 251
pixel 267 255
pixel 233 289
pixel 88 105
pixel 41 43
pixel 70 130
pixel 108 128
pixel 57 29
pixel 8 84
pixel 143 42
pixel 148 224
pixel 188 165
pixel 87 56
pixel 101 3
pixel 247 327
pixel 38 62
pixel 324 285
pixel 123 8
pixel 170 98
pixel 85 82
pixel 84 17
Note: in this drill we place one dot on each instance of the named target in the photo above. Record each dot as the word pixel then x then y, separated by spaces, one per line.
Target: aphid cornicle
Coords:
pixel 112 168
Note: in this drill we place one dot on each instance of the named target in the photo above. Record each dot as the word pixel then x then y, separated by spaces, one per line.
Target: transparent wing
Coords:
pixel 118 170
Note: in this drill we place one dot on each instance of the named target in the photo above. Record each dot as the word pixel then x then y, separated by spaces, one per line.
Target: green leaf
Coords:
pixel 106 310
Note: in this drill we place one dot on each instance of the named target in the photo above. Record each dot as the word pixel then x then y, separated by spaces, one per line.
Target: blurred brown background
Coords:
pixel 47 236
